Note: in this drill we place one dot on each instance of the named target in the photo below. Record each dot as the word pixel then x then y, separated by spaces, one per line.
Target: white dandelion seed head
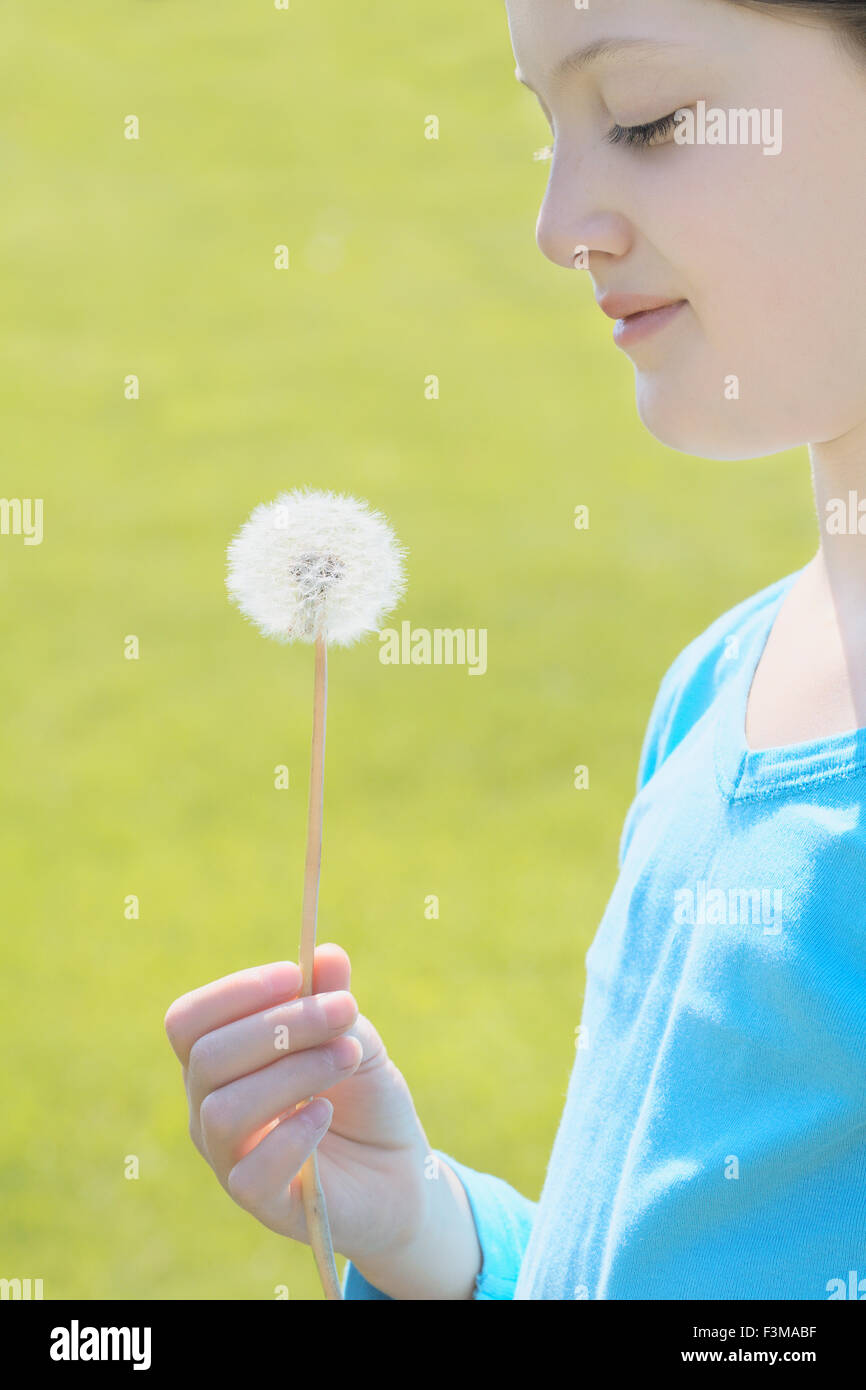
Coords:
pixel 315 563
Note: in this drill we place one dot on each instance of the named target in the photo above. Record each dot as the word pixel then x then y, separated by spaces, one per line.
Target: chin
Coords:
pixel 717 429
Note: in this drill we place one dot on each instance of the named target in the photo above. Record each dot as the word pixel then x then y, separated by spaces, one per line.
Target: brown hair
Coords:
pixel 849 16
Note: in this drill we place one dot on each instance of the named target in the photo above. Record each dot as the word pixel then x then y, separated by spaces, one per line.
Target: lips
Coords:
pixel 638 315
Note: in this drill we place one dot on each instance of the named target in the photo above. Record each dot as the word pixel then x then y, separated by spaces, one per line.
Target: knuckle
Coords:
pixel 280 1023
pixel 215 1117
pixel 195 1135
pixel 173 1022
pixel 241 1187
pixel 201 1059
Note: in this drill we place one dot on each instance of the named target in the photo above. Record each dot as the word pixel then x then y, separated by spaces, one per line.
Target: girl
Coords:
pixel 708 172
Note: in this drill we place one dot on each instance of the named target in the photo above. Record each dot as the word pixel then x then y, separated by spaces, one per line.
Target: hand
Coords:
pixel 243 1083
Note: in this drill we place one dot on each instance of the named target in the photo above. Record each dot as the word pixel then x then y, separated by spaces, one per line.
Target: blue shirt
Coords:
pixel 713 1140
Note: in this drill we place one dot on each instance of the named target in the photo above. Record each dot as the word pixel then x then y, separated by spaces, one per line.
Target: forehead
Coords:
pixel 600 53
pixel 552 39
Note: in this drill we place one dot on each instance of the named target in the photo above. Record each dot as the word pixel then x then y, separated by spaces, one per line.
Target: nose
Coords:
pixel 574 219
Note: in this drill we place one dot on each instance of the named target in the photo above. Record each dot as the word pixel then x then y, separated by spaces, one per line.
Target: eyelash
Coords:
pixel 642 135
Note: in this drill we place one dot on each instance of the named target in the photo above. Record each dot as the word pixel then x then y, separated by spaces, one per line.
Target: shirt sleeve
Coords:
pixel 654 747
pixel 503 1220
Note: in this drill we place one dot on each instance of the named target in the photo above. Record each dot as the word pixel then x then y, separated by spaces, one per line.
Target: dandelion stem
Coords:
pixel 311 1188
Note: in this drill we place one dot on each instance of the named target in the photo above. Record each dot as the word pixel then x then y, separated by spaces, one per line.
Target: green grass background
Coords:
pixel 155 777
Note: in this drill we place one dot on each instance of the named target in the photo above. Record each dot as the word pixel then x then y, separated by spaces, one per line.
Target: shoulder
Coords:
pixel 694 678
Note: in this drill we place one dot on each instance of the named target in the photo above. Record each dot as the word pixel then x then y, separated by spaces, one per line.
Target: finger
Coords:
pixel 244 1046
pixel 332 968
pixel 265 1181
pixel 249 991
pixel 232 1118
pixel 222 1001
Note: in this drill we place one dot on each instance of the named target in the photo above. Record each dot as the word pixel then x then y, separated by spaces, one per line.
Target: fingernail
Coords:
pixel 318 1113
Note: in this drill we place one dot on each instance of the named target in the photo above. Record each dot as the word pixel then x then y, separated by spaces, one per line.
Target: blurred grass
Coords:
pixel 155 777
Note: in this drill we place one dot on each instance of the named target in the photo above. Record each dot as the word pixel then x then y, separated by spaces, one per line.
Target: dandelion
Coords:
pixel 322 568
pixel 312 563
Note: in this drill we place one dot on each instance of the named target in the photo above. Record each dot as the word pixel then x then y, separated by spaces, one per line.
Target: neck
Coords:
pixel 839 484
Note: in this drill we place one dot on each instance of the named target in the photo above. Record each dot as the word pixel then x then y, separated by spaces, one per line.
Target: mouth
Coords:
pixel 638 316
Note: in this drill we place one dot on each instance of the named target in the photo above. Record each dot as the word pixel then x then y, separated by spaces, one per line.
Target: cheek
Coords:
pixel 786 248
pixel 767 249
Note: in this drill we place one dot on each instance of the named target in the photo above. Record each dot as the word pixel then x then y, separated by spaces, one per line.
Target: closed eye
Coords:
pixel 651 133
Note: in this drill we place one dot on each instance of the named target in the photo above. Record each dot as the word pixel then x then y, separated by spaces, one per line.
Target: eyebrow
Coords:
pixel 583 58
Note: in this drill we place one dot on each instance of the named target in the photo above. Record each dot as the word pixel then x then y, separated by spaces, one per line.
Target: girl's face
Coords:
pixel 768 351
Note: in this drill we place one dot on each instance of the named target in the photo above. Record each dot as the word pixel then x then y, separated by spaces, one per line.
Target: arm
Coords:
pixel 473 1247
